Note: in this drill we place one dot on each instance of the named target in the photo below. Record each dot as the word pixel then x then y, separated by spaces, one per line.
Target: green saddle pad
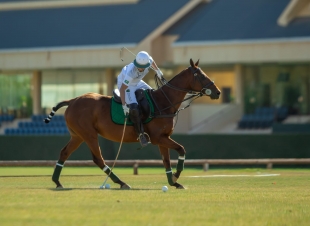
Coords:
pixel 117 113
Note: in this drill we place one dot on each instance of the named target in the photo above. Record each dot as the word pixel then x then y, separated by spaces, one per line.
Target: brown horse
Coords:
pixel 89 115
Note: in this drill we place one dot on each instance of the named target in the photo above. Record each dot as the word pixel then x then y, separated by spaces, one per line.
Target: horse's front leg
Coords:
pixel 172 177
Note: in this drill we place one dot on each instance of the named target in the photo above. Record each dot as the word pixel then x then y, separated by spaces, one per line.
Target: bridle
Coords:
pixel 197 74
pixel 193 94
pixel 204 90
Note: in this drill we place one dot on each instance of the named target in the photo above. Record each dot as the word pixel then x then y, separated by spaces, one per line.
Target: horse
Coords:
pixel 89 115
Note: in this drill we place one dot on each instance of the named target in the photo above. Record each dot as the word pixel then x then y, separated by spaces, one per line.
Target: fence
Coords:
pixel 205 163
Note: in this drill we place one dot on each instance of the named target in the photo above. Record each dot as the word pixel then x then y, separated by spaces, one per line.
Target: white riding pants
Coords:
pixel 130 97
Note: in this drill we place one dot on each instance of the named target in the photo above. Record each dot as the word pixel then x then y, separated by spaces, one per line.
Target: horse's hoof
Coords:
pixel 178 186
pixel 125 186
pixel 59 187
pixel 58 184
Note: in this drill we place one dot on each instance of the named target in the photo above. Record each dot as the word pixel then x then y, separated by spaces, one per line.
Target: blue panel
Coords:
pixel 83 26
pixel 224 20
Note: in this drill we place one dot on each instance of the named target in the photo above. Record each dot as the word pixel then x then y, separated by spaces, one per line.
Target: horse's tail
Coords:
pixel 54 109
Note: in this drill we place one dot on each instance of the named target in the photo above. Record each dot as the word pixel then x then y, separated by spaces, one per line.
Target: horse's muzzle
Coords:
pixel 215 95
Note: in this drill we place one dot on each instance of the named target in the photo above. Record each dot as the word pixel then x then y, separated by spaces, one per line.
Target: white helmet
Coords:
pixel 142 60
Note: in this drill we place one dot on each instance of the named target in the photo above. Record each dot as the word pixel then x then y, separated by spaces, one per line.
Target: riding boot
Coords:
pixel 136 120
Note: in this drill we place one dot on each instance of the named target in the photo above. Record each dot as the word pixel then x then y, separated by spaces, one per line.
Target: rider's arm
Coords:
pixel 158 71
pixel 154 65
pixel 122 93
pixel 126 82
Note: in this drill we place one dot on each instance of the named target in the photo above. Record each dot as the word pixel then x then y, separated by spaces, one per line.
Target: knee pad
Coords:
pixel 134 113
pixel 134 110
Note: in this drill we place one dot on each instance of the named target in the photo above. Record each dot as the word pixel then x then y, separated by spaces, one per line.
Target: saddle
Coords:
pixel 145 104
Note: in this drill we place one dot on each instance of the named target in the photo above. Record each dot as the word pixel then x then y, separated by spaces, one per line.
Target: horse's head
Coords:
pixel 202 83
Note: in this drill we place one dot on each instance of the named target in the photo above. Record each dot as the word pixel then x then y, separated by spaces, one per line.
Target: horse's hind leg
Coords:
pixel 72 145
pixel 99 161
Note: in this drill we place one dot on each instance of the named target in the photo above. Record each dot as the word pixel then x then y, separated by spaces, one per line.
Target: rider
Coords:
pixel 128 81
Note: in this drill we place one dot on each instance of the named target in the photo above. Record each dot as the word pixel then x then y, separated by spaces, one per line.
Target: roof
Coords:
pixel 128 24
pixel 227 20
pixel 13 0
pixel 84 26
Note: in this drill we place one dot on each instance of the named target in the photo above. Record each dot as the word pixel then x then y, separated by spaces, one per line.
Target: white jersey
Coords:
pixel 132 77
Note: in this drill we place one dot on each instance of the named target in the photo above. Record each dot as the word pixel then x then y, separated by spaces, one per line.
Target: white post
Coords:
pixel 205 166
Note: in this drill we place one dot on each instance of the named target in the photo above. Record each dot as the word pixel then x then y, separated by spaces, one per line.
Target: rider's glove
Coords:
pixel 125 109
pixel 159 73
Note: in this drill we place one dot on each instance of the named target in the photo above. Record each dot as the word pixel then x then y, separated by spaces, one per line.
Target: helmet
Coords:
pixel 142 60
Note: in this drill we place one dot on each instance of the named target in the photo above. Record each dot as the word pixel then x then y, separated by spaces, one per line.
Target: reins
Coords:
pixel 193 94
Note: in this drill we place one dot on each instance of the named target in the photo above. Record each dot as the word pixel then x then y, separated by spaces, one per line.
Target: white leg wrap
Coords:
pixel 105 168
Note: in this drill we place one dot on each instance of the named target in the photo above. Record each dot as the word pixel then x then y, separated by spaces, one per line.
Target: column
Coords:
pixel 109 80
pixel 36 92
pixel 238 85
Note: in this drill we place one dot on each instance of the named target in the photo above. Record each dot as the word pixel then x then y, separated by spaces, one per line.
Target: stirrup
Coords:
pixel 143 141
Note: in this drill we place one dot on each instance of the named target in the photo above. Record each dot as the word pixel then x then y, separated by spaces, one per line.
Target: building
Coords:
pixel 257 52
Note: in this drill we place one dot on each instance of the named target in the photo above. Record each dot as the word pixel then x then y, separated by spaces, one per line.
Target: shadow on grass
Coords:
pixel 50 175
pixel 113 189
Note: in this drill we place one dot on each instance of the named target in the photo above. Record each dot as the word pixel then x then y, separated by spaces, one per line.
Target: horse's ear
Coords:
pixel 196 64
pixel 191 62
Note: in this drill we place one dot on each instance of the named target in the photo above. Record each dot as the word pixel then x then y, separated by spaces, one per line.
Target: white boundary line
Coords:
pixel 241 175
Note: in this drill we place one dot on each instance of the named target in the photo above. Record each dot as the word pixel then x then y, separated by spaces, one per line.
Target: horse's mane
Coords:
pixel 174 77
pixel 160 84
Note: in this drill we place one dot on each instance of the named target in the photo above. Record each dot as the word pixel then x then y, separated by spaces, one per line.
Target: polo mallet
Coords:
pixel 119 149
pixel 121 56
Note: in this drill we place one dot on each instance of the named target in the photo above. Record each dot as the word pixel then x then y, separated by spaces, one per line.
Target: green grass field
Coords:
pixel 217 197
